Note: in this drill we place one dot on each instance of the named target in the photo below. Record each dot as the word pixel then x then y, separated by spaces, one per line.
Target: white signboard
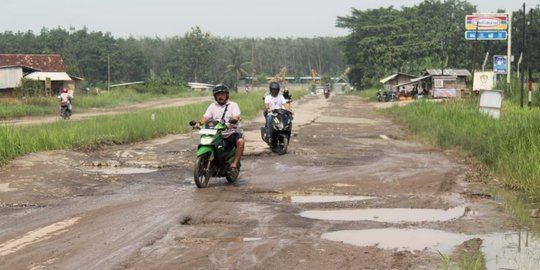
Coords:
pixel 490 102
pixel 483 80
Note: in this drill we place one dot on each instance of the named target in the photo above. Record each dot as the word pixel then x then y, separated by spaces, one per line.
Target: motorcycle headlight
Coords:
pixel 207 140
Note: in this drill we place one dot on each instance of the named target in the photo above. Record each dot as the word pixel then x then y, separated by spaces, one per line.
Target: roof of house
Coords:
pixel 448 71
pixel 44 62
pixel 54 76
pixel 395 75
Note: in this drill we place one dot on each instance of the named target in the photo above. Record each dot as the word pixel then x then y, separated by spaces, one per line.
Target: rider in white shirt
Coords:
pixel 271 102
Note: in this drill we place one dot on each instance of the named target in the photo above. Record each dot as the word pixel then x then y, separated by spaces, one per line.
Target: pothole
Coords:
pixel 400 239
pixel 510 250
pixel 5 188
pixel 392 215
pixel 328 198
pixel 122 170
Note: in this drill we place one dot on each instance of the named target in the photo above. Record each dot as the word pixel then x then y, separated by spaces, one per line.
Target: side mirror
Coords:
pixel 192 122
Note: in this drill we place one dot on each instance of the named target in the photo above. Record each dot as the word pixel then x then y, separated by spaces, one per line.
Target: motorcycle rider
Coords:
pixel 227 111
pixel 65 98
pixel 271 102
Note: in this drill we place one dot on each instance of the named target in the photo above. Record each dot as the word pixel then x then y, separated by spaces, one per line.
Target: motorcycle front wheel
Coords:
pixel 202 171
pixel 282 144
pixel 232 176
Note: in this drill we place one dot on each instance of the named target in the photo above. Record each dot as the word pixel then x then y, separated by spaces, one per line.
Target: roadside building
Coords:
pixel 397 79
pixel 448 83
pixel 49 68
pixel 10 77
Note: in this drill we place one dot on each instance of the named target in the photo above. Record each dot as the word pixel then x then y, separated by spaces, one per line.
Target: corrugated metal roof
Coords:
pixel 388 78
pixel 44 62
pixel 395 75
pixel 55 76
pixel 449 71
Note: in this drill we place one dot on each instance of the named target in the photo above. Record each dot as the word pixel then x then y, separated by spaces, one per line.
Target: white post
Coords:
pixel 108 73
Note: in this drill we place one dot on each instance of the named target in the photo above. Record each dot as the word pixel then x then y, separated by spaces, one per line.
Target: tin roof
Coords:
pixel 44 62
pixel 395 75
pixel 55 76
pixel 448 71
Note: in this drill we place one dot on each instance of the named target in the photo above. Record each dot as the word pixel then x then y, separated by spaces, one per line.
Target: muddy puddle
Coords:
pixel 511 250
pixel 121 170
pixel 328 198
pixel 392 215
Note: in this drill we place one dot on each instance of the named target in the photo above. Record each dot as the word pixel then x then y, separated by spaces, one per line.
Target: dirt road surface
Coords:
pixel 353 192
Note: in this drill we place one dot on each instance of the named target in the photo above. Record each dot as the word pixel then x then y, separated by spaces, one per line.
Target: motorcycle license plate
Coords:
pixel 208 131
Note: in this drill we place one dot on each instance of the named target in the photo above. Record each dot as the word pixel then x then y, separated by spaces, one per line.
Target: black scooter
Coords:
pixel 281 131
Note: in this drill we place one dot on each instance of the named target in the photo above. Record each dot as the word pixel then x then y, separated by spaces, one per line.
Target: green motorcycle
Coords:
pixel 214 156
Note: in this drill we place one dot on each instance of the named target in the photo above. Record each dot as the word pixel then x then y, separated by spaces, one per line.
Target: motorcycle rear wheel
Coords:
pixel 64 113
pixel 202 171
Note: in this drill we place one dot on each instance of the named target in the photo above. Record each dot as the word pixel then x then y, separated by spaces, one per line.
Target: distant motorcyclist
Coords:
pixel 271 102
pixel 326 91
pixel 65 99
pixel 229 112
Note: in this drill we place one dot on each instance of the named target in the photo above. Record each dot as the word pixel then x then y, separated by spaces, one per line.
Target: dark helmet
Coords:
pixel 274 86
pixel 220 88
pixel 64 90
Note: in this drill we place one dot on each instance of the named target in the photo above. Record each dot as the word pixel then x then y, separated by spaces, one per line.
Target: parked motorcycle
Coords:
pixel 380 96
pixel 214 156
pixel 390 96
pixel 65 112
pixel 281 131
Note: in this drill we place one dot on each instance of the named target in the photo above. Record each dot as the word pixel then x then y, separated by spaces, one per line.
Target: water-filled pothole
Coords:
pixel 511 250
pixel 400 239
pixel 123 170
pixel 393 215
pixel 328 198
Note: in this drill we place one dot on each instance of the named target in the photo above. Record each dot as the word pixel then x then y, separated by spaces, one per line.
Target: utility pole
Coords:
pixel 529 80
pixel 509 52
pixel 524 56
pixel 108 73
pixel 474 51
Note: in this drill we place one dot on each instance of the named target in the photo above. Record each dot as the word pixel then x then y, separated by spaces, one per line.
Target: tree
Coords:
pixel 197 51
pixel 237 65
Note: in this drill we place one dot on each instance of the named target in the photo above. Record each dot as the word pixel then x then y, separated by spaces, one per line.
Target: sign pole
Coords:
pixel 509 53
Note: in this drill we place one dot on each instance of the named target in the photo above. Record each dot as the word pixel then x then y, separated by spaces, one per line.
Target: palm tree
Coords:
pixel 237 65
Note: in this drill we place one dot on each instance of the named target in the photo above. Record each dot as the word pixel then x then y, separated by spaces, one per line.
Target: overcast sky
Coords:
pixel 223 18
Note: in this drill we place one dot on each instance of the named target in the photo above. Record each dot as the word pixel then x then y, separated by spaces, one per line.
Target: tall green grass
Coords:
pixel 117 129
pixel 35 106
pixel 509 146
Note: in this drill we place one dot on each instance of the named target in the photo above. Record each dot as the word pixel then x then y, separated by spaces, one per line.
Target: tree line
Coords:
pixel 196 56
pixel 381 42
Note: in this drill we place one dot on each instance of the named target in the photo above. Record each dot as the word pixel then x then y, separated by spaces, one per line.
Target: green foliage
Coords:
pixel 196 56
pixel 237 66
pixel 426 35
pixel 30 88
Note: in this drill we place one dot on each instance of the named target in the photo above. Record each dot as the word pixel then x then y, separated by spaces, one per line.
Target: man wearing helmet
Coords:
pixel 229 112
pixel 65 98
pixel 271 102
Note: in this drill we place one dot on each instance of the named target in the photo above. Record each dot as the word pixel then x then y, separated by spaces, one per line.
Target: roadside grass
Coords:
pixel 36 106
pixel 509 147
pixel 117 129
